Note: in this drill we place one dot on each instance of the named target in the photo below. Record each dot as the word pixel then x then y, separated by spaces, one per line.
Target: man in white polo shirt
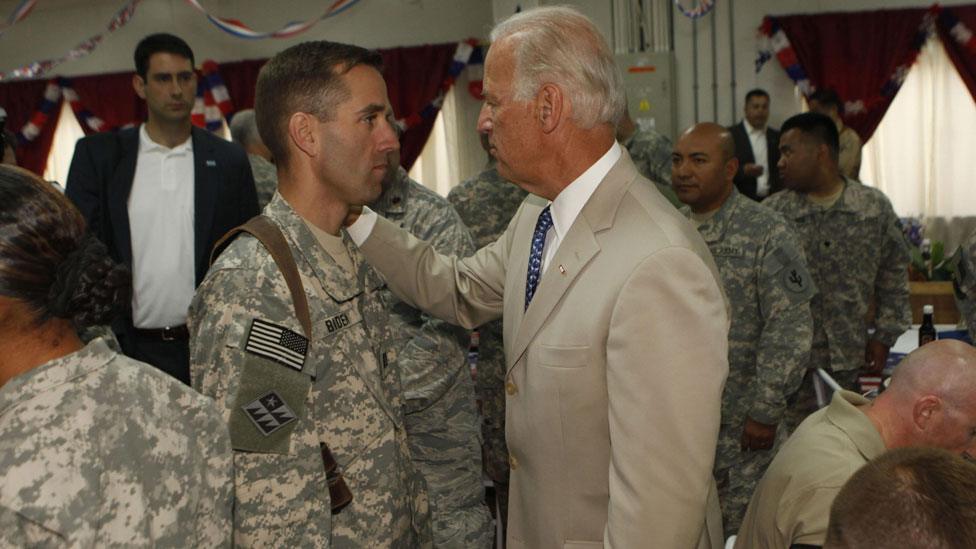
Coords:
pixel 159 196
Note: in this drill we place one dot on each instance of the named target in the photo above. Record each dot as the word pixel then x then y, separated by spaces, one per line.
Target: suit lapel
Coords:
pixel 575 251
pixel 119 187
pixel 578 247
pixel 205 186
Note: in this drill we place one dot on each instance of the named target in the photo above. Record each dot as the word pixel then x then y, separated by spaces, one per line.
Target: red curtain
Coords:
pixel 864 56
pixel 414 76
pixel 956 25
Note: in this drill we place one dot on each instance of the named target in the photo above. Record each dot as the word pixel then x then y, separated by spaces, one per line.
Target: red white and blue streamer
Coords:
pixel 699 11
pixel 958 30
pixel 462 55
pixel 40 68
pixel 20 12
pixel 237 28
pixel 213 102
pixel 56 89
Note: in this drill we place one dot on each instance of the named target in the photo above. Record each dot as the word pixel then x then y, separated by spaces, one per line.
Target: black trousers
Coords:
pixel 172 357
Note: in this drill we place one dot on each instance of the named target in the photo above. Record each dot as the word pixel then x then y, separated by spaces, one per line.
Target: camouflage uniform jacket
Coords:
pixel 856 253
pixel 487 203
pixel 98 450
pixel 265 178
pixel 283 395
pixel 964 279
pixel 651 153
pixel 766 280
pixel 441 418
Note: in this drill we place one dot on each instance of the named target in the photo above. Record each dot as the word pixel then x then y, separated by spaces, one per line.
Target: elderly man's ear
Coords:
pixel 549 106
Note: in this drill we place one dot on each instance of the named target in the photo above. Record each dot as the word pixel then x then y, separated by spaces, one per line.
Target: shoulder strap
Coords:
pixel 262 228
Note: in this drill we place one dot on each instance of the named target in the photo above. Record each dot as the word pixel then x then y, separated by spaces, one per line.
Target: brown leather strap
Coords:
pixel 262 228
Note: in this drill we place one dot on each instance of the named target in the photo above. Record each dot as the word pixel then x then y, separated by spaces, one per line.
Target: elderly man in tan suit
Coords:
pixel 615 325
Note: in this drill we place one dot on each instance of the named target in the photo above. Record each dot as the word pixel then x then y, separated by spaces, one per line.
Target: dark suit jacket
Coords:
pixel 101 176
pixel 743 151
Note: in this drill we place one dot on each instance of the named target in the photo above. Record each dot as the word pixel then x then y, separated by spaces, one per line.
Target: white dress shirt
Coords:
pixel 564 209
pixel 568 204
pixel 161 206
pixel 760 151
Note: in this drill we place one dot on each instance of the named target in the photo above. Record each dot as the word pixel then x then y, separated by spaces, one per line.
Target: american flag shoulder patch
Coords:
pixel 277 343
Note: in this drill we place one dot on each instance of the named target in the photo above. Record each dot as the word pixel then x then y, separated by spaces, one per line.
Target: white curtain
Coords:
pixel 437 166
pixel 922 154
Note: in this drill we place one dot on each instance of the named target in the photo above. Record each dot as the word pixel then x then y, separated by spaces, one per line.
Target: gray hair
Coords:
pixel 244 128
pixel 561 45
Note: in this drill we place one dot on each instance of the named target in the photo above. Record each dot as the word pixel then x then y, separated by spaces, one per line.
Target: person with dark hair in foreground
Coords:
pixel 931 402
pixel 910 498
pixel 160 196
pixel 827 102
pixel 857 255
pixel 96 449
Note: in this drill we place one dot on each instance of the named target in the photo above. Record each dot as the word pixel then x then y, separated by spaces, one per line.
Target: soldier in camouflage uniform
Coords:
pixel 486 204
pixel 244 132
pixel 964 281
pixel 438 393
pixel 856 252
pixel 96 449
pixel 284 395
pixel 765 278
pixel 651 153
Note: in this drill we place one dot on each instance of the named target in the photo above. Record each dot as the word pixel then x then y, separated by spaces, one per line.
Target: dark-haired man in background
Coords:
pixel 757 148
pixel 159 196
pixel 856 253
pixel 827 102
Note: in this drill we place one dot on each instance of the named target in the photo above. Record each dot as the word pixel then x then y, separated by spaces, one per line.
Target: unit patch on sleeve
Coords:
pixel 269 413
pixel 277 343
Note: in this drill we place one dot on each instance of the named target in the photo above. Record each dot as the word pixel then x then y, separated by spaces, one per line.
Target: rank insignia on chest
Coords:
pixel 269 413
pixel 277 343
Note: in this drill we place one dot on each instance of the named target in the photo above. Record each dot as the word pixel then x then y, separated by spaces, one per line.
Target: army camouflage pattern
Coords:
pixel 265 178
pixel 651 153
pixel 856 252
pixel 347 394
pixel 765 278
pixel 487 203
pixel 441 417
pixel 98 450
pixel 964 280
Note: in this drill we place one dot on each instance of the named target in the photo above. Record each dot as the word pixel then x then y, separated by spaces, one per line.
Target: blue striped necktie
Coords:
pixel 535 255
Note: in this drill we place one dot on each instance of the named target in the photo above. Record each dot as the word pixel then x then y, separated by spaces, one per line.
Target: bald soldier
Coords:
pixel 765 278
pixel 931 402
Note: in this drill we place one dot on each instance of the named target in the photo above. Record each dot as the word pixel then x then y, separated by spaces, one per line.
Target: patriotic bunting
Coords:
pixel 56 89
pixel 212 103
pixel 236 28
pixel 699 11
pixel 958 30
pixel 40 68
pixel 20 12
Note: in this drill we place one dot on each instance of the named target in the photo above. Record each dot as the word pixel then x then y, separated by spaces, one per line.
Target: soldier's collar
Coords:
pixel 55 372
pixel 713 229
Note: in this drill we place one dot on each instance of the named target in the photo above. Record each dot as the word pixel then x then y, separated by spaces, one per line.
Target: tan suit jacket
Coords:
pixel 615 371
